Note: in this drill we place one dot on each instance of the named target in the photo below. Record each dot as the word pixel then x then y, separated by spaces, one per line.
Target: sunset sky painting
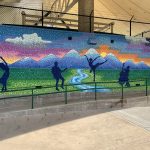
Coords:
pixel 16 44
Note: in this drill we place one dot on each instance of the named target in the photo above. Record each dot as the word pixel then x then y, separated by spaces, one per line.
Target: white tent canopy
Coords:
pixel 116 9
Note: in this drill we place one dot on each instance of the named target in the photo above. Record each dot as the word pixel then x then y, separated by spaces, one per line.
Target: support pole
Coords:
pixel 32 100
pixel 131 25
pixel 112 27
pixel 122 95
pixel 146 88
pixel 66 99
pixel 95 91
pixel 86 20
pixel 42 16
pixel 23 17
pixel 91 28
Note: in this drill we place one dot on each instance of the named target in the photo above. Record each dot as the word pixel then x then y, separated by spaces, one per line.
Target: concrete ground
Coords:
pixel 126 129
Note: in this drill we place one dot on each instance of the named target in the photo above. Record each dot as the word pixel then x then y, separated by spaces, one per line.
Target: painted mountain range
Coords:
pixel 74 60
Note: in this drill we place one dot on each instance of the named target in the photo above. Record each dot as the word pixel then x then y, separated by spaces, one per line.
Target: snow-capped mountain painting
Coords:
pixel 47 61
pixel 73 59
pixel 25 62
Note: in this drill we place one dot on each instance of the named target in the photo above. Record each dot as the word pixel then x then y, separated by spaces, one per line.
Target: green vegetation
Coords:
pixel 33 77
pixel 28 78
pixel 113 75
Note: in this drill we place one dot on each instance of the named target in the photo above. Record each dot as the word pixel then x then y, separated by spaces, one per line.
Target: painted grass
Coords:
pixel 27 78
pixel 34 77
pixel 113 75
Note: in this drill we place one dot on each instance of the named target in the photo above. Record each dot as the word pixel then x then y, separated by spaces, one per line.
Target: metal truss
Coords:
pixel 57 10
pixel 63 6
pixel 55 16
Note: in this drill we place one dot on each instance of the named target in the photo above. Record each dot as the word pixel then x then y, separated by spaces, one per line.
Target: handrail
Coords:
pixel 50 86
pixel 142 33
pixel 66 90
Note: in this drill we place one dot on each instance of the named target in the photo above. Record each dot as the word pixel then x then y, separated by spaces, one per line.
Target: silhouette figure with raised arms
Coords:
pixel 5 76
pixel 124 76
pixel 92 66
pixel 56 71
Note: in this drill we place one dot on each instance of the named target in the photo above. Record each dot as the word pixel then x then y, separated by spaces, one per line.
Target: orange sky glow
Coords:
pixel 103 50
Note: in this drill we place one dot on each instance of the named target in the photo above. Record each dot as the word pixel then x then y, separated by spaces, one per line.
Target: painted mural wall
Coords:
pixel 36 56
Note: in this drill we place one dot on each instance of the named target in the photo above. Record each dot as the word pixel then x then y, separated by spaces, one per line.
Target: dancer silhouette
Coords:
pixel 5 76
pixel 92 66
pixel 124 76
pixel 56 71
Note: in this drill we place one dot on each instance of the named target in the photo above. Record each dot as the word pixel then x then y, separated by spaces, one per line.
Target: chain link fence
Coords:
pixel 39 17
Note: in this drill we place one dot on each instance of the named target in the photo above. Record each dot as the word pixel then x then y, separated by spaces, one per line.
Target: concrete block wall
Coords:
pixel 59 99
pixel 19 122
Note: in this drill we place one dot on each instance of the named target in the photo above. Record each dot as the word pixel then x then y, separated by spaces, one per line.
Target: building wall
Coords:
pixel 31 54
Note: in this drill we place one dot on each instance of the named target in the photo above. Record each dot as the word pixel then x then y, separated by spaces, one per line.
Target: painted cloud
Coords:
pixel 30 40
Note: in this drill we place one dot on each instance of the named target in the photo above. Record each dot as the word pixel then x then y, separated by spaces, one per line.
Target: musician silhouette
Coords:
pixel 5 76
pixel 56 71
pixel 92 66
pixel 124 76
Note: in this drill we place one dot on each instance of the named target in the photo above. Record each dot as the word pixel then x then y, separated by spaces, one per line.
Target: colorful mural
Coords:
pixel 31 53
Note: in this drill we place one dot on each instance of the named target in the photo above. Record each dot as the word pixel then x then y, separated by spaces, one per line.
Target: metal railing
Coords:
pixel 143 34
pixel 32 17
pixel 137 88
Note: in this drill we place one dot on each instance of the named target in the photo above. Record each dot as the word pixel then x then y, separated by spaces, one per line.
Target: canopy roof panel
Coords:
pixel 125 10
pixel 120 9
pixel 115 9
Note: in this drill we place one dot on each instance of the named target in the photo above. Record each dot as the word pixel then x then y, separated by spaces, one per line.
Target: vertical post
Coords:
pixel 131 25
pixel 66 94
pixel 112 27
pixel 23 18
pixel 95 91
pixel 122 95
pixel 85 10
pixel 32 100
pixel 146 88
pixel 91 21
pixel 42 15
